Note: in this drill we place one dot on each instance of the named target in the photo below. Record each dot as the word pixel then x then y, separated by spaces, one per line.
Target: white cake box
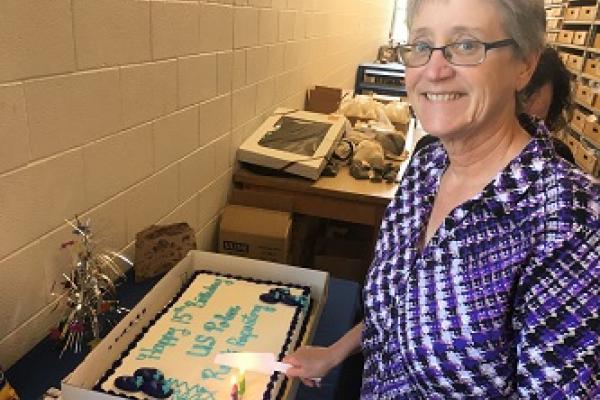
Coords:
pixel 78 385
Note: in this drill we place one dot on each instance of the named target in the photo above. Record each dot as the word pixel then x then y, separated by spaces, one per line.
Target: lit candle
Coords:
pixel 234 388
pixel 242 383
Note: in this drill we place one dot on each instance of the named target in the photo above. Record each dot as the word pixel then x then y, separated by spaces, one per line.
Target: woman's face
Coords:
pixel 458 100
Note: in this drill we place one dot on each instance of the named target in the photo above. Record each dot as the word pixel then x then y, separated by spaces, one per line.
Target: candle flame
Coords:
pixel 233 380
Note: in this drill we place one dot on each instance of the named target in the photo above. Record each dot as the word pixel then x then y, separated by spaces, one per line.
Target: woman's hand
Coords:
pixel 309 362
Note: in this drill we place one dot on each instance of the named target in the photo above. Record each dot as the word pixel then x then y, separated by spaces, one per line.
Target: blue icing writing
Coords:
pixel 184 391
pixel 179 313
pixel 209 373
pixel 169 339
pixel 221 322
pixel 202 347
pixel 249 320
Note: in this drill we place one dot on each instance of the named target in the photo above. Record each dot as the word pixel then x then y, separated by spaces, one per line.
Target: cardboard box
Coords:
pixel 322 99
pixel 255 233
pixel 553 24
pixel 597 42
pixel 551 37
pixel 78 385
pixel 586 159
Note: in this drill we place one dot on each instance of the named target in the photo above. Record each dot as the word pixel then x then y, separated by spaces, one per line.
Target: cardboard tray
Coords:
pixel 309 167
pixel 78 385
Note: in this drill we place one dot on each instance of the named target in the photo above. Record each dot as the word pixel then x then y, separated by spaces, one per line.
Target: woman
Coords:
pixel 485 278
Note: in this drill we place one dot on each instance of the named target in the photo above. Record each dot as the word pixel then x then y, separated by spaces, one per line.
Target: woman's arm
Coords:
pixel 315 362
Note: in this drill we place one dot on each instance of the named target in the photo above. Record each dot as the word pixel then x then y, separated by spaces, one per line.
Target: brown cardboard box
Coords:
pixel 255 233
pixel 553 23
pixel 322 99
pixel 342 258
pixel 586 159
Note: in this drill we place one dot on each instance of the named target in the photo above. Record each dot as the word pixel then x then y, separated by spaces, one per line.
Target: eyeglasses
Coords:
pixel 463 53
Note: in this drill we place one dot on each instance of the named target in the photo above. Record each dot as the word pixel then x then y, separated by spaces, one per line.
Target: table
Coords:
pixel 41 368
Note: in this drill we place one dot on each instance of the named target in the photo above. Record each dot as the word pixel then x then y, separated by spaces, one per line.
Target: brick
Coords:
pixel 196 171
pixel 215 119
pixel 111 32
pixel 216 27
pixel 175 136
pixel 245 27
pixel 148 91
pixel 70 110
pixel 175 29
pixel 14 130
pixel 239 69
pixel 36 38
pixel 224 72
pixel 257 64
pixel 197 78
pixel 243 105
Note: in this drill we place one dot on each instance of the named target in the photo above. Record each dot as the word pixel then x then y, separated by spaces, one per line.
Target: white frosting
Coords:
pixel 215 314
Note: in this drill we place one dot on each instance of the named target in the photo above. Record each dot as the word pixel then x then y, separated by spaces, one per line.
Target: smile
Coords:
pixel 442 96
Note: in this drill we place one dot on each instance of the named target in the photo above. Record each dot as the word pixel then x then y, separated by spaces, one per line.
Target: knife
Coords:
pixel 263 363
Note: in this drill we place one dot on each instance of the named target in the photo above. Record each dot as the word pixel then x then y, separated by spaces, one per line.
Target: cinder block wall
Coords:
pixel 128 112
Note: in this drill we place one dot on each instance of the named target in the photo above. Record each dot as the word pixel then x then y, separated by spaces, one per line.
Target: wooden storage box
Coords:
pixel 575 62
pixel 597 42
pixel 565 36
pixel 587 13
pixel 578 120
pixel 553 24
pixel 579 37
pixel 564 57
pixel 551 37
pixel 592 131
pixel 586 159
pixel 585 94
pixel 592 67
pixel 572 13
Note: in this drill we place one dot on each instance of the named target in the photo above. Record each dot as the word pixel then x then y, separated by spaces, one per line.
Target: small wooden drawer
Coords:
pixel 572 13
pixel 579 37
pixel 591 131
pixel 551 37
pixel 565 36
pixel 597 41
pixel 587 13
pixel 564 57
pixel 586 159
pixel 578 120
pixel 585 94
pixel 575 62
pixel 592 66
pixel 553 24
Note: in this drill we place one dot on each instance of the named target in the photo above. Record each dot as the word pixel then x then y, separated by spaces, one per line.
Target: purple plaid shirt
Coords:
pixel 504 300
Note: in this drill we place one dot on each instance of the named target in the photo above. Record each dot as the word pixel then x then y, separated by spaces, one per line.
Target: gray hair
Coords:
pixel 522 20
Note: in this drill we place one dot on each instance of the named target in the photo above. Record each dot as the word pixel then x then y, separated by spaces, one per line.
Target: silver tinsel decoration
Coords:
pixel 92 305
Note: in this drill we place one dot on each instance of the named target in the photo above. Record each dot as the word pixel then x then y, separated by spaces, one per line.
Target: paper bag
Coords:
pixel 159 247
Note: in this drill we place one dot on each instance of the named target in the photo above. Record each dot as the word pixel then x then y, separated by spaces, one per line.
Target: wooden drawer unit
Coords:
pixel 592 66
pixel 585 94
pixel 587 13
pixel 592 131
pixel 597 41
pixel 579 37
pixel 565 36
pixel 572 13
pixel 575 62
pixel 578 120
pixel 564 57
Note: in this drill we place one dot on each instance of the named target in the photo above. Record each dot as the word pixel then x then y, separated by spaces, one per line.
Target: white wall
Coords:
pixel 129 112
